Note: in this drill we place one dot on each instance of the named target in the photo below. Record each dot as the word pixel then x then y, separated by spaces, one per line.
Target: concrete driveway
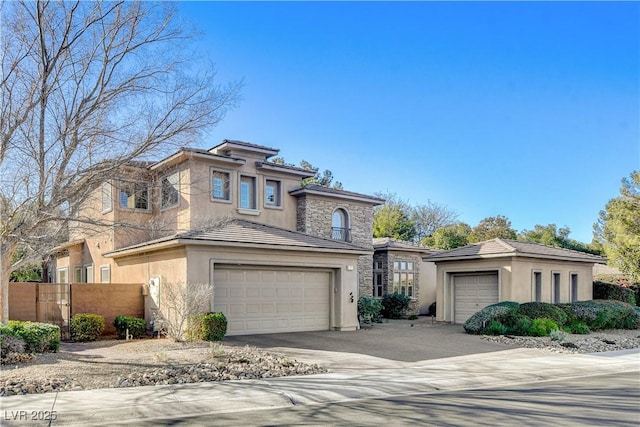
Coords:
pixel 398 343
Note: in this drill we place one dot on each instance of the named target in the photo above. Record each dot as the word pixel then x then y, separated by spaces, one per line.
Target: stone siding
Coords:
pixel 314 217
pixel 387 258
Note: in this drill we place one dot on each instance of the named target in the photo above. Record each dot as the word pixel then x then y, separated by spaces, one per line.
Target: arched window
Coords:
pixel 340 225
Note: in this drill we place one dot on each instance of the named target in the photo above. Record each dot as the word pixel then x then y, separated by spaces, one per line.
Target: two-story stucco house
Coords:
pixel 281 256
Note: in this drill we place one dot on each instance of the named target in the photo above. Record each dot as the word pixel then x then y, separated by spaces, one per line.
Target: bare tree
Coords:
pixel 179 302
pixel 85 88
pixel 429 217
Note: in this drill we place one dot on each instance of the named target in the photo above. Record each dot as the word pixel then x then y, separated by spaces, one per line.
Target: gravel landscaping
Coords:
pixel 112 363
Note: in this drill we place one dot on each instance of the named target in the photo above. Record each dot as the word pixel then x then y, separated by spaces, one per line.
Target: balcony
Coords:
pixel 340 233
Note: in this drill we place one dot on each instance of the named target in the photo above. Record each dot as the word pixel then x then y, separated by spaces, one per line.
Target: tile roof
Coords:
pixel 390 243
pixel 245 144
pixel 248 233
pixel 503 247
pixel 316 188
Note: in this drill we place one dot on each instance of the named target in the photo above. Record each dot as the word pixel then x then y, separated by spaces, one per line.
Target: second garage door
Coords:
pixel 266 300
pixel 473 292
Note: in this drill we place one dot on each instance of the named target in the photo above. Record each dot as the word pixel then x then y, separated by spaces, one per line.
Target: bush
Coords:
pixel 137 327
pixel 86 327
pixel 516 323
pixel 557 335
pixel 207 327
pixel 542 327
pixel 369 309
pixel 38 337
pixel 577 327
pixel 610 291
pixel 479 321
pixel 9 343
pixel 604 314
pixel 495 328
pixel 432 309
pixel 543 310
pixel 395 305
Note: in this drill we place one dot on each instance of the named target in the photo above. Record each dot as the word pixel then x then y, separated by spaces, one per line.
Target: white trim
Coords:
pixel 230 175
pixel 175 173
pixel 106 268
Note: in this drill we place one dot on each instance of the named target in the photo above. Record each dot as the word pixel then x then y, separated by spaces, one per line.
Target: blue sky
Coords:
pixel 529 110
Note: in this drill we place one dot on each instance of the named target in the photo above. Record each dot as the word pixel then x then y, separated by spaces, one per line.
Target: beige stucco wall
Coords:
pixel 515 280
pixel 428 285
pixel 193 264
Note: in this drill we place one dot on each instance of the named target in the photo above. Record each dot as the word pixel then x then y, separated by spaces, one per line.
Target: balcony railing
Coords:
pixel 339 233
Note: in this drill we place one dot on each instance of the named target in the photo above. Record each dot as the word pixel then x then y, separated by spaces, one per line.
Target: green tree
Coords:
pixel 492 227
pixel 393 219
pixel 321 178
pixel 449 237
pixel 618 227
pixel 547 235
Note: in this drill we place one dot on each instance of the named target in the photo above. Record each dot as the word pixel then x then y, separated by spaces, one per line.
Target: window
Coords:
pixel 247 192
pixel 340 225
pixel 170 191
pixel 106 197
pixel 88 273
pixel 272 193
pixel 78 275
pixel 134 195
pixel 574 287
pixel 105 274
pixel 378 288
pixel 220 184
pixel 62 275
pixel 403 277
pixel 537 286
pixel 556 287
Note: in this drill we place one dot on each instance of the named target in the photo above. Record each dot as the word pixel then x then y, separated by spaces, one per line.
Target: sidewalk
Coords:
pixel 110 406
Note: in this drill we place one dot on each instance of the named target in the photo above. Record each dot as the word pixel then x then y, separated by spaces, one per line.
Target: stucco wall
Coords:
pixel 22 301
pixel 515 277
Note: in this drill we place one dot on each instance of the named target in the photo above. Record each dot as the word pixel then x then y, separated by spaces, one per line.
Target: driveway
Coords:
pixel 398 343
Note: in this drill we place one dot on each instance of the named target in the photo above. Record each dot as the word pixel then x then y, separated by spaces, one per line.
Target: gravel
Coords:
pixel 109 364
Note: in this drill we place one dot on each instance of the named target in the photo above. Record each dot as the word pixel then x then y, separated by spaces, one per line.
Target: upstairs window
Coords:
pixel 170 191
pixel 247 192
pixel 134 195
pixel 220 184
pixel 272 193
pixel 106 197
pixel 340 225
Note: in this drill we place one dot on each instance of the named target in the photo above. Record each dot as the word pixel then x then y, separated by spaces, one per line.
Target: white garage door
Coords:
pixel 260 301
pixel 472 293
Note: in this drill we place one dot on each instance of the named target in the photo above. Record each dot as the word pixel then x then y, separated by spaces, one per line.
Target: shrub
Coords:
pixel 137 327
pixel 577 327
pixel 369 309
pixel 86 327
pixel 207 327
pixel 543 310
pixel 516 323
pixel 605 314
pixel 610 291
pixel 479 321
pixel 395 305
pixel 495 328
pixel 413 317
pixel 10 344
pixel 557 335
pixel 38 337
pixel 542 327
pixel 432 309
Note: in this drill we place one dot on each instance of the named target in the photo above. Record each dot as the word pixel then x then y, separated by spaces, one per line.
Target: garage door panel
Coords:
pixel 272 300
pixel 472 293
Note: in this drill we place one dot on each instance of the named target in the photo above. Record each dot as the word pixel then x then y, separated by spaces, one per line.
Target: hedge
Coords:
pixel 207 327
pixel 38 337
pixel 136 326
pixel 86 326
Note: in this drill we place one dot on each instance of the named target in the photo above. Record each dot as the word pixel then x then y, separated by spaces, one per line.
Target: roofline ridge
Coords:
pixel 504 244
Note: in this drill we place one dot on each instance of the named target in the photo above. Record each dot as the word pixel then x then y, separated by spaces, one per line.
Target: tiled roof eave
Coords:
pixel 435 258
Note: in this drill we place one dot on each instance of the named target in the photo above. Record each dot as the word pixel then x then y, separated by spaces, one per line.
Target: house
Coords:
pixel 398 267
pixel 474 276
pixel 281 256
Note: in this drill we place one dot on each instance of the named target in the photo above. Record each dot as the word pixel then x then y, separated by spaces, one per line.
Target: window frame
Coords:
pixel 173 186
pixel 79 274
pixel 87 268
pixel 106 195
pixel 378 282
pixel 252 209
pixel 404 277
pixel 64 270
pixel 136 191
pixel 229 185
pixel 268 183
pixel 536 286
pixel 107 269
pixel 342 233
pixel 574 286
pixel 556 287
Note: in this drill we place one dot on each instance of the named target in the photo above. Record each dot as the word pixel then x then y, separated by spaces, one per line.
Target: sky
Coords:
pixel 529 110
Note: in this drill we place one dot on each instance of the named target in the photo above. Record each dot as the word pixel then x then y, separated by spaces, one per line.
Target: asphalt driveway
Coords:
pixel 380 345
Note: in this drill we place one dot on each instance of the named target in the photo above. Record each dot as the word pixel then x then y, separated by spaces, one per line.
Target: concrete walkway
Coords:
pixel 110 406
